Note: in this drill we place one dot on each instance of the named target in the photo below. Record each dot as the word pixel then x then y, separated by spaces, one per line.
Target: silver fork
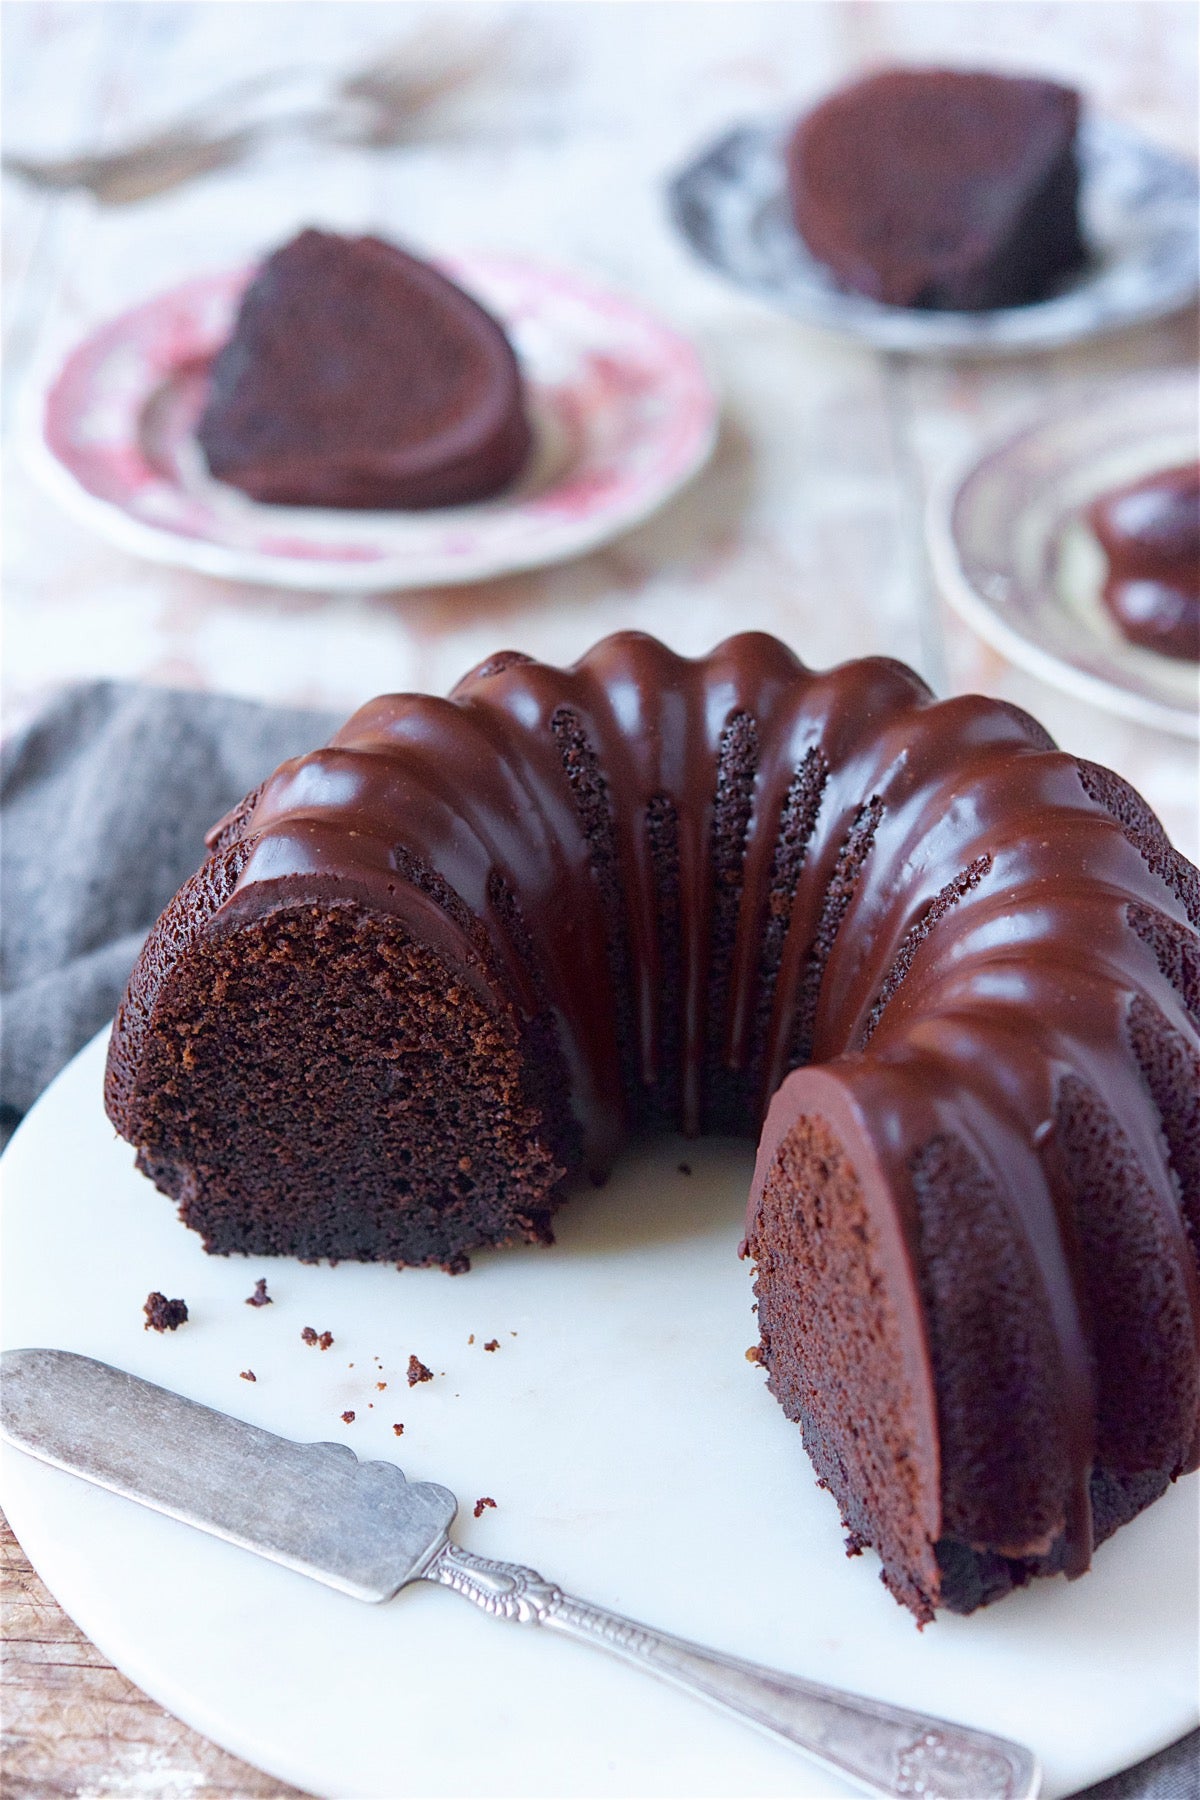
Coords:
pixel 389 100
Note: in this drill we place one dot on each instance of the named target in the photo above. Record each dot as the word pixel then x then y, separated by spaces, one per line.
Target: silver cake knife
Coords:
pixel 365 1529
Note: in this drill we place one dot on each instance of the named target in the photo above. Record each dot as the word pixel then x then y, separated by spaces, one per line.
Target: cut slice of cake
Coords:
pixel 939 188
pixel 359 376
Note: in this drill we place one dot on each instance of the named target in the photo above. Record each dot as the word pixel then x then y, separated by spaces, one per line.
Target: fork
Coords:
pixel 385 102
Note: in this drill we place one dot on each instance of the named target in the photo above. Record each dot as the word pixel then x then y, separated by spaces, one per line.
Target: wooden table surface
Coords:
pixel 807 523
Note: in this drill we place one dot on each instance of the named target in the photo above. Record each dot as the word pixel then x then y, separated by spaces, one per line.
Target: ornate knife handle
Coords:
pixel 886 1749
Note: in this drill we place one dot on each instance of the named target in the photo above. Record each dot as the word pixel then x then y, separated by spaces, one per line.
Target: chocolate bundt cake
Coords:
pixel 1150 533
pixel 941 188
pixel 432 973
pixel 358 376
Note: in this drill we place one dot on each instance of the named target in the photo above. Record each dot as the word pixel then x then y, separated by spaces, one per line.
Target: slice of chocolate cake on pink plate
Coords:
pixel 359 376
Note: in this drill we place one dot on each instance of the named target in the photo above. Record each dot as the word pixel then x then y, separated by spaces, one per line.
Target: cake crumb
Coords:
pixel 492 1344
pixel 380 1387
pixel 471 1339
pixel 248 1375
pixel 685 1168
pixel 260 1296
pixel 163 1314
pixel 482 1503
pixel 322 1339
pixel 399 1430
pixel 347 1418
pixel 417 1371
pixel 754 1353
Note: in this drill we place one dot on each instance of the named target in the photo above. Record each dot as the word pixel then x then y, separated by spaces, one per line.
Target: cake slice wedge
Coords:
pixel 941 188
pixel 359 376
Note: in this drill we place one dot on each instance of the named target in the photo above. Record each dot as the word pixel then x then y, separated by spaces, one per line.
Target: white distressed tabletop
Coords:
pixel 808 522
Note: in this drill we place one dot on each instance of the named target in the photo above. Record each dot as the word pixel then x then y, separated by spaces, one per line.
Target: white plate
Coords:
pixel 622 411
pixel 1013 555
pixel 634 1456
pixel 1138 202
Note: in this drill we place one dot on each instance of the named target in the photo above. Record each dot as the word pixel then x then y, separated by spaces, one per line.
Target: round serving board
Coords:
pixel 634 1457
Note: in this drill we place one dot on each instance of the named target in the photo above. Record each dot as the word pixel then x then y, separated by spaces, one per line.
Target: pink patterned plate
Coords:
pixel 623 415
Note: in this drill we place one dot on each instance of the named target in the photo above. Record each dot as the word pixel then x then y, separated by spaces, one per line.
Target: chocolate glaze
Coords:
pixel 968 918
pixel 1150 533
pixel 961 916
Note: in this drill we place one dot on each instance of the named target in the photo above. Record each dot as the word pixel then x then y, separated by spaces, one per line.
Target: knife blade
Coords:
pixel 360 1527
pixel 366 1530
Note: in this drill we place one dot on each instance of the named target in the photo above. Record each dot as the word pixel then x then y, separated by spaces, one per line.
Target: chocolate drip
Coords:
pixel 662 825
pixel 737 766
pixel 796 822
pixel 938 906
pixel 804 992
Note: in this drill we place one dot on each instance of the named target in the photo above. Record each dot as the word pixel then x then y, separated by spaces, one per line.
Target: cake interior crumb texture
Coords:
pixel 163 1314
pixel 432 978
pixel 830 1337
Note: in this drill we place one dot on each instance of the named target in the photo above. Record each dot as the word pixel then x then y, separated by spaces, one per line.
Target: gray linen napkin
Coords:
pixel 104 802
